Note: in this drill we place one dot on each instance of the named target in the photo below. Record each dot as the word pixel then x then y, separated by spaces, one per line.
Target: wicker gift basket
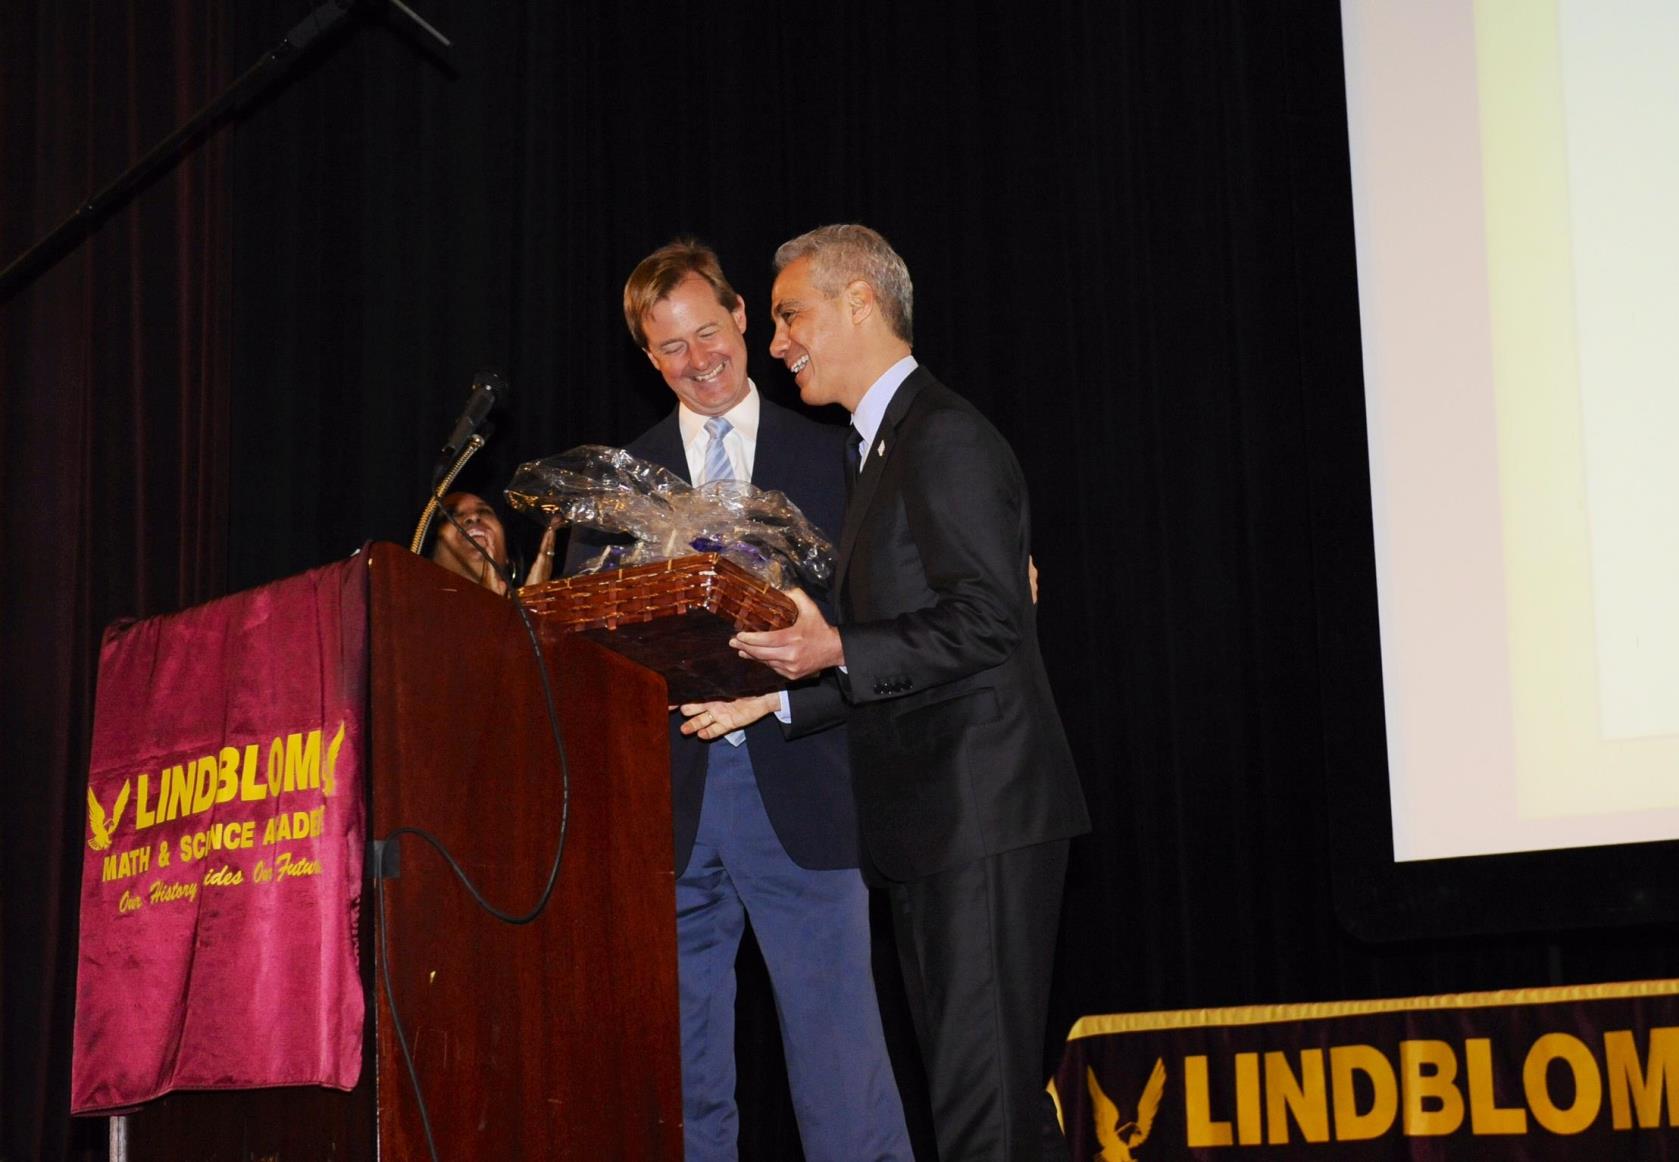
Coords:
pixel 674 616
pixel 691 567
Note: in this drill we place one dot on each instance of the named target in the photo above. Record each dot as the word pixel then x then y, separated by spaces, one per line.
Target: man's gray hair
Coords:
pixel 840 255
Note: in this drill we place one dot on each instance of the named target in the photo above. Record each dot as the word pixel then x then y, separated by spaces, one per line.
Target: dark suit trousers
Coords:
pixel 977 945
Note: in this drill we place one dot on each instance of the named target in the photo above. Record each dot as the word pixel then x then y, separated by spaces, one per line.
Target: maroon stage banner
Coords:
pixel 221 881
pixel 1582 1073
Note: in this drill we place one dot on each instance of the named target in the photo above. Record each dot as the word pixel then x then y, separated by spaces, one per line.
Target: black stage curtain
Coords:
pixel 1130 230
pixel 114 422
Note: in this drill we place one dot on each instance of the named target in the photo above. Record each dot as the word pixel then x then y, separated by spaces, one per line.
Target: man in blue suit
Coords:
pixel 765 828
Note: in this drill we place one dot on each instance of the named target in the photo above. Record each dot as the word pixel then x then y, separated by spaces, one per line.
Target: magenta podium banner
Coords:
pixel 222 867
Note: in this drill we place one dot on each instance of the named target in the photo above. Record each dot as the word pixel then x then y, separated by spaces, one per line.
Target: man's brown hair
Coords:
pixel 659 273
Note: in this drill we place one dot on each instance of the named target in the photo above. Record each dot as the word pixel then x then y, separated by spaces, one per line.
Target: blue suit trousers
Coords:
pixel 813 928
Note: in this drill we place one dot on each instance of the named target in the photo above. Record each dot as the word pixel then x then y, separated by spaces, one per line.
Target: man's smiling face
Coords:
pixel 812 337
pixel 699 346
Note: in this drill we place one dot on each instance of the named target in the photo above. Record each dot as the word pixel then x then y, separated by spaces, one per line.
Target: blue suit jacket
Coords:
pixel 805 783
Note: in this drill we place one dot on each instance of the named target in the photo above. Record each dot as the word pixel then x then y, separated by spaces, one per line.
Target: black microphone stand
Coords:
pixel 68 233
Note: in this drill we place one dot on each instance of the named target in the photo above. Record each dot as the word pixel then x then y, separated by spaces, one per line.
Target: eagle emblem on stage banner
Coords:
pixel 1119 1139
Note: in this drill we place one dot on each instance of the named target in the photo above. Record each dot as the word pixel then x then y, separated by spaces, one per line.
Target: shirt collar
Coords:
pixel 743 417
pixel 871 409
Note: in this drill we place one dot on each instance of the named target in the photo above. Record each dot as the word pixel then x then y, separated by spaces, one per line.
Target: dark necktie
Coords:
pixel 853 458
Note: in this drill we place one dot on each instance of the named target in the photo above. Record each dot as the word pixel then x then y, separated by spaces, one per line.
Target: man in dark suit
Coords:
pixel 765 828
pixel 966 790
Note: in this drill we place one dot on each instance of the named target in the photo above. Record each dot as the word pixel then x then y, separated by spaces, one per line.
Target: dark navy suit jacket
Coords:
pixel 805 783
pixel 955 738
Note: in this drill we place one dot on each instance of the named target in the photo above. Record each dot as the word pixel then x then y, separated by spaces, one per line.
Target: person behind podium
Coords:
pixel 467 550
pixel 764 828
pixel 467 545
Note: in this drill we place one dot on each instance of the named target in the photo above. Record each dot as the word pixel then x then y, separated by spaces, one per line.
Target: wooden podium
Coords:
pixel 556 1039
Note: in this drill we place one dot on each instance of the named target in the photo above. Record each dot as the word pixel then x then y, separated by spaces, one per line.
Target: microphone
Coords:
pixel 487 389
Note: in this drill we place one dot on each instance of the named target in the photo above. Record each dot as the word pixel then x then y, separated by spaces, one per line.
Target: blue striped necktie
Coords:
pixel 717 466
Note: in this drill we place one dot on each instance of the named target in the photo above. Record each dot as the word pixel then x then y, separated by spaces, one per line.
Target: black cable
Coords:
pixel 437 845
pixel 396 1019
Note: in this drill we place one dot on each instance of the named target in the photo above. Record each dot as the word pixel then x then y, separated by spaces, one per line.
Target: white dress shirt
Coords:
pixel 741 443
pixel 871 409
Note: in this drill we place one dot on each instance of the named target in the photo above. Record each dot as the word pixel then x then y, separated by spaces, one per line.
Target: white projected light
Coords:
pixel 1516 201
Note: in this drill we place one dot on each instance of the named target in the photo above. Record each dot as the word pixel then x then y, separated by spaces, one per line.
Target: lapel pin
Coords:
pixel 880 448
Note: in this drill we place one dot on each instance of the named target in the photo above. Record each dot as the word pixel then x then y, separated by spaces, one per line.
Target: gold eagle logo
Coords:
pixel 97 824
pixel 1117 1139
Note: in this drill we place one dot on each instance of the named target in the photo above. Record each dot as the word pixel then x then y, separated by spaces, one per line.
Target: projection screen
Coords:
pixel 1515 172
